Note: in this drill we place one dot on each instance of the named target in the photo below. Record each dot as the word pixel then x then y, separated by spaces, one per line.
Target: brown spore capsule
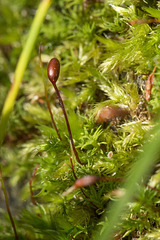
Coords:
pixel 110 113
pixel 86 181
pixel 53 70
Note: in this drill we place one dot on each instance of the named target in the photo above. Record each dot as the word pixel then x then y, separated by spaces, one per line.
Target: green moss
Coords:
pixel 104 58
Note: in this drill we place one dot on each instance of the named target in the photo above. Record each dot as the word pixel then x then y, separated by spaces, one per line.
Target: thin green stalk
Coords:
pixel 22 64
pixel 7 205
pixel 139 171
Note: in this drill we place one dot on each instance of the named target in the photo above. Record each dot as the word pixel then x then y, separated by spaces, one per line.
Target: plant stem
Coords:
pixel 72 237
pixel 50 112
pixel 111 179
pixel 21 66
pixel 88 199
pixel 30 184
pixel 67 122
pixel 72 168
pixel 7 204
pixel 46 95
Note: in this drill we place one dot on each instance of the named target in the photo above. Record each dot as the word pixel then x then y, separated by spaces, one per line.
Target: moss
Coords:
pixel 106 55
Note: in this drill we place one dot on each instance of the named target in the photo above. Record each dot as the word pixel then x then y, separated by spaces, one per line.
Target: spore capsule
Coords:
pixel 53 70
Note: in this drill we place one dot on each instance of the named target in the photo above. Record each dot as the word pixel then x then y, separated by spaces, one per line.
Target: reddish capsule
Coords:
pixel 149 84
pixel 110 113
pixel 53 70
pixel 86 181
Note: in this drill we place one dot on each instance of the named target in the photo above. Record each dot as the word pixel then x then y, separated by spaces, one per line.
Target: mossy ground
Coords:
pixel 106 53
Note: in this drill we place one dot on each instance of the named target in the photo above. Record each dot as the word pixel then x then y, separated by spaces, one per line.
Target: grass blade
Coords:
pixel 22 64
pixel 139 170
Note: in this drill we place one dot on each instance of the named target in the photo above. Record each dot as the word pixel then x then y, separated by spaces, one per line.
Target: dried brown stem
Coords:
pixel 30 184
pixel 7 205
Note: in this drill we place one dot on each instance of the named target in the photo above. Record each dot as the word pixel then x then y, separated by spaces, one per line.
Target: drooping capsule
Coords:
pixel 86 181
pixel 149 84
pixel 110 113
pixel 82 182
pixel 53 69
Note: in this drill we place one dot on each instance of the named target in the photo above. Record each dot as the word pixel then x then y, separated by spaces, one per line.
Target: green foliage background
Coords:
pixel 105 60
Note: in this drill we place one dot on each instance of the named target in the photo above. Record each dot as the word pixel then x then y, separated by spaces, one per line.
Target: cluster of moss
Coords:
pixel 107 49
